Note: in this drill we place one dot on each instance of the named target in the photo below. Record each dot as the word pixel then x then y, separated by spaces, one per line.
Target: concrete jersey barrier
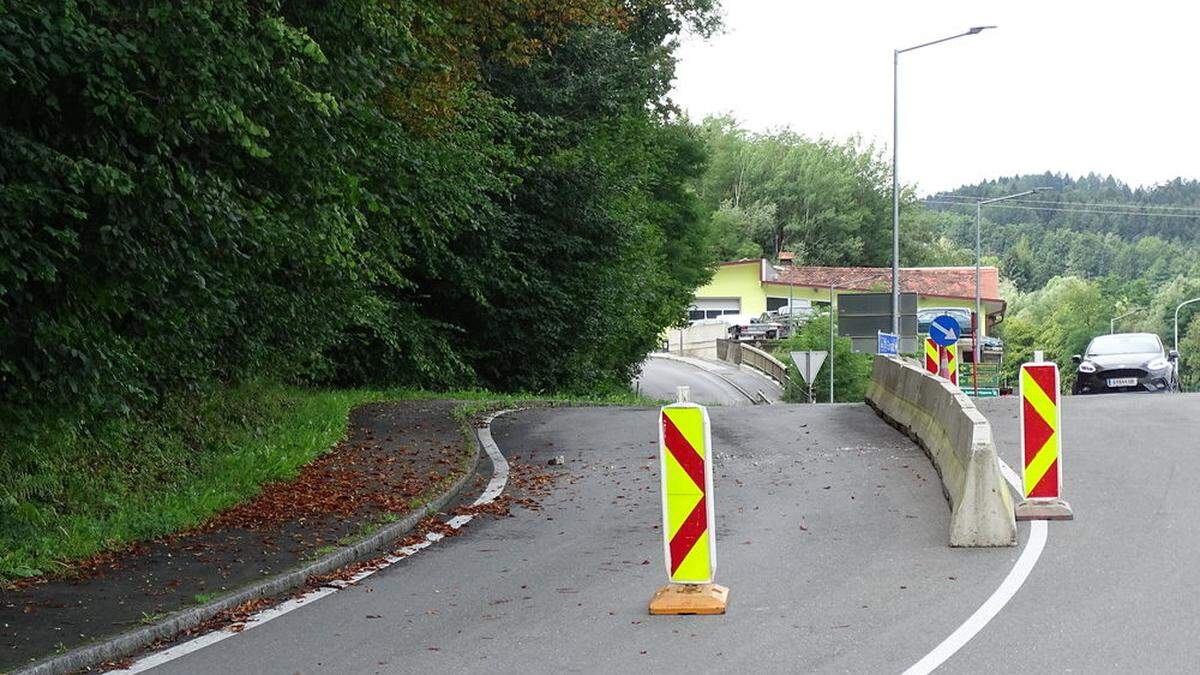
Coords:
pixel 958 439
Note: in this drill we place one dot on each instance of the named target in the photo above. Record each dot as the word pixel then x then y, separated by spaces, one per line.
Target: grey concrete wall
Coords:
pixel 699 341
pixel 958 439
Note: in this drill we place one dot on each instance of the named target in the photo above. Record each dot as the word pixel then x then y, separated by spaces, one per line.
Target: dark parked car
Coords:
pixel 1126 362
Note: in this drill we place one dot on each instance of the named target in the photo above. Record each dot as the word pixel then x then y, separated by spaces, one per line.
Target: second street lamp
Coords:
pixel 980 318
pixel 975 30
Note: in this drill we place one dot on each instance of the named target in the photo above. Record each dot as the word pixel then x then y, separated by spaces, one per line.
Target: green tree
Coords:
pixel 851 371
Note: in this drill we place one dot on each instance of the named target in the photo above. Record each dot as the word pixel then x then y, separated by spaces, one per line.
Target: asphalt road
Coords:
pixel 1116 589
pixel 831 536
pixel 711 382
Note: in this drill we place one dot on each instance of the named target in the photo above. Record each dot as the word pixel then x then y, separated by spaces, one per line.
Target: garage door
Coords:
pixel 711 308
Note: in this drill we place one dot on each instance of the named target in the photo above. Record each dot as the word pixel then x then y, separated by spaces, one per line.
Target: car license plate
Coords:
pixel 1122 381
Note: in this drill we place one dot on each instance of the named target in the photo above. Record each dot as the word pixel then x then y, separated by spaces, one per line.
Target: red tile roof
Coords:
pixel 950 282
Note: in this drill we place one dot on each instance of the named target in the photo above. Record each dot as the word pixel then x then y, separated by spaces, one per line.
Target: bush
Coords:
pixel 852 372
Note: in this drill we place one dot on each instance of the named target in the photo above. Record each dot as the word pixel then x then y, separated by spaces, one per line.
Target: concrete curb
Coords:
pixel 122 645
pixel 712 371
pixel 958 440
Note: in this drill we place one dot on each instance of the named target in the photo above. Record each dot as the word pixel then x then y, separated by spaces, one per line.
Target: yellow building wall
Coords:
pixel 737 281
pixel 742 281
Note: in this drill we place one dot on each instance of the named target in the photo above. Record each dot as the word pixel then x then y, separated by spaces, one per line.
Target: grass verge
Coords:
pixel 67 494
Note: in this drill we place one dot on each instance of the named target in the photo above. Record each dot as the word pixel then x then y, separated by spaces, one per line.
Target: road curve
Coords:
pixel 1116 588
pixel 660 376
pixel 831 535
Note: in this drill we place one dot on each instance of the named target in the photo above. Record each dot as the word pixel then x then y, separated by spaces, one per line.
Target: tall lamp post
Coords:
pixel 1112 323
pixel 975 30
pixel 831 336
pixel 1181 305
pixel 980 319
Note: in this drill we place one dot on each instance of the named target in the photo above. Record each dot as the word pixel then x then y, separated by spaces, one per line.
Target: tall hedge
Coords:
pixel 369 191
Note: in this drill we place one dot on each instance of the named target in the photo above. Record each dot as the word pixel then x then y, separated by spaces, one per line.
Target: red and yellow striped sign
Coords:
pixel 1041 422
pixel 689 540
pixel 933 357
pixel 942 361
pixel 951 358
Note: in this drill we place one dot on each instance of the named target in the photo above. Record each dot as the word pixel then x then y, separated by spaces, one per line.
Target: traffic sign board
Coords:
pixel 944 331
pixel 889 343
pixel 809 364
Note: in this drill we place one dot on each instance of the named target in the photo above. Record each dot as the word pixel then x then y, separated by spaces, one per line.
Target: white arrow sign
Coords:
pixel 950 333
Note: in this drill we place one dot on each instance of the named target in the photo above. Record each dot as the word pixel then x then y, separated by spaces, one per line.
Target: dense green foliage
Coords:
pixel 433 193
pixel 408 192
pixel 829 202
pixel 1086 251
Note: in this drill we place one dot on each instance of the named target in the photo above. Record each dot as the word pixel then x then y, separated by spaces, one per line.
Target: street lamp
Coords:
pixel 1112 323
pixel 980 319
pixel 1185 302
pixel 831 316
pixel 975 30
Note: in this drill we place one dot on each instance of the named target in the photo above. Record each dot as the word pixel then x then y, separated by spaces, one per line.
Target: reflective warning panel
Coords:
pixel 933 356
pixel 689 539
pixel 951 358
pixel 1041 441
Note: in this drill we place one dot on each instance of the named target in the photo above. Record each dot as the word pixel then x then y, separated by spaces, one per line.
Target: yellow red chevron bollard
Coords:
pixel 689 534
pixel 1041 443
pixel 950 359
pixel 933 357
pixel 942 361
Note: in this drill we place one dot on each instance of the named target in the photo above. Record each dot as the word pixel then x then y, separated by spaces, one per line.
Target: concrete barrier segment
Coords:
pixel 958 440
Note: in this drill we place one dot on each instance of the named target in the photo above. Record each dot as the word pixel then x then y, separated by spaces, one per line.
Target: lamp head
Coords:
pixel 975 30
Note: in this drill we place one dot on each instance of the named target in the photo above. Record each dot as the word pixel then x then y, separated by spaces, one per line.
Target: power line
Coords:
pixel 1103 205
pixel 1189 216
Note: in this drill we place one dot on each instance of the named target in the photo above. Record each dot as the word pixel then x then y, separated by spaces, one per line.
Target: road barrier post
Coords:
pixel 1041 443
pixel 933 357
pixel 951 360
pixel 689 534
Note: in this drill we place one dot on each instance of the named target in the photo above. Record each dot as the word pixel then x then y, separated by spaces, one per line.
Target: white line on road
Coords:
pixel 493 490
pixel 1038 533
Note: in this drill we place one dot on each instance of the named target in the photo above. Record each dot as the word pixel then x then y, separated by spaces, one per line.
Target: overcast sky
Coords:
pixel 1109 87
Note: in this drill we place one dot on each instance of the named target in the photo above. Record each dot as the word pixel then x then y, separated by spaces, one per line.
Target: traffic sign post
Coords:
pixel 1041 443
pixel 689 534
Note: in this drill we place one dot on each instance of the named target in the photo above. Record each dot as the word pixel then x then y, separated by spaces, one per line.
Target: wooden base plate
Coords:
pixel 690 599
pixel 1044 509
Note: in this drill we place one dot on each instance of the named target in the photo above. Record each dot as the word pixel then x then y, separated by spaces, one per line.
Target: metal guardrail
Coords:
pixel 739 353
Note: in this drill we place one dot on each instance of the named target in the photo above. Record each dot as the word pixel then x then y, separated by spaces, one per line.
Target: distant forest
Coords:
pixel 1088 251
pixel 1090 227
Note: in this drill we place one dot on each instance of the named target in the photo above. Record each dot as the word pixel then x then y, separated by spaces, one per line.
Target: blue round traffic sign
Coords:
pixel 944 331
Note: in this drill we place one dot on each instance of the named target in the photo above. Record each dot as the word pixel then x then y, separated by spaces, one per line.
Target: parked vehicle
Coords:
pixel 1129 362
pixel 745 329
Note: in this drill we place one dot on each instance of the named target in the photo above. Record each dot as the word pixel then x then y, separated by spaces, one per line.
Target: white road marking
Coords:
pixel 1038 533
pixel 493 490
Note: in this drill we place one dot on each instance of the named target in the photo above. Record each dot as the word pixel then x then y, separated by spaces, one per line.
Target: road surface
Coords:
pixel 711 382
pixel 831 536
pixel 1116 589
